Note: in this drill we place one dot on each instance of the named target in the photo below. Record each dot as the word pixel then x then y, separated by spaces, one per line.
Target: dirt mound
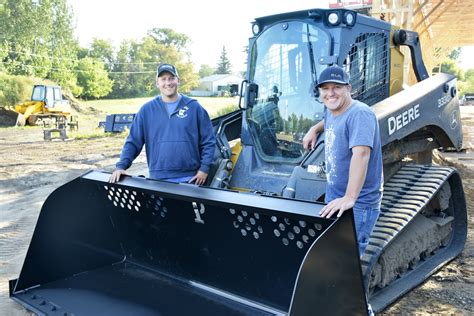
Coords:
pixel 74 102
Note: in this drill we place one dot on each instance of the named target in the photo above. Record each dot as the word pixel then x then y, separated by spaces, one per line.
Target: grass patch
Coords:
pixel 212 104
pixel 96 111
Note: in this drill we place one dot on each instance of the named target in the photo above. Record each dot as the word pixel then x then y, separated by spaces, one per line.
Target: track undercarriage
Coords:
pixel 421 227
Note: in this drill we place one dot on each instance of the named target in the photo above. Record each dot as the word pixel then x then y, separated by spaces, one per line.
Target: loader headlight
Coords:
pixel 334 18
pixel 349 18
pixel 255 28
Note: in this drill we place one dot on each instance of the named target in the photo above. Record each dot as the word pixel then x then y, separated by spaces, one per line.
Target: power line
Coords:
pixel 74 59
pixel 74 70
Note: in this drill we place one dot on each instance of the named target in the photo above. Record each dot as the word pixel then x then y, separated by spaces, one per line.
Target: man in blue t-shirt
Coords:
pixel 176 131
pixel 353 154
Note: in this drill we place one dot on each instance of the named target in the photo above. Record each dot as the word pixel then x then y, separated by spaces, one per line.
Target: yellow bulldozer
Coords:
pixel 46 107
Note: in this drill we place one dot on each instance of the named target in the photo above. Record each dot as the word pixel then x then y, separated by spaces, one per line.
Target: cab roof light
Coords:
pixel 255 28
pixel 334 18
pixel 340 16
pixel 349 18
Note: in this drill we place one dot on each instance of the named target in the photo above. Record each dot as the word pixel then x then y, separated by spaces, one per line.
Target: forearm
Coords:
pixel 318 128
pixel 132 147
pixel 207 144
pixel 357 171
pixel 129 152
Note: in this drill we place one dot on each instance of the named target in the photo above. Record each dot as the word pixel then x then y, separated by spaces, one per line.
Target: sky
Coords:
pixel 211 24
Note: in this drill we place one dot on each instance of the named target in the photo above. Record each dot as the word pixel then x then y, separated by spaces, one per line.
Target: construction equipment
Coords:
pixel 47 107
pixel 251 241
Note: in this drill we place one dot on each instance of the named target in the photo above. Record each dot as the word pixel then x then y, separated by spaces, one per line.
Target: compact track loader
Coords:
pixel 251 242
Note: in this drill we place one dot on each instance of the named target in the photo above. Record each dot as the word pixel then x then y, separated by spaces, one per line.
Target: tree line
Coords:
pixel 37 40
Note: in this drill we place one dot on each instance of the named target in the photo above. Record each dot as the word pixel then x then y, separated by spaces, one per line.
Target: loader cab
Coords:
pixel 286 55
pixel 284 66
pixel 51 95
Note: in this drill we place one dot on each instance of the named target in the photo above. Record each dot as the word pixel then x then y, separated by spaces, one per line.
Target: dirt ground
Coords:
pixel 32 168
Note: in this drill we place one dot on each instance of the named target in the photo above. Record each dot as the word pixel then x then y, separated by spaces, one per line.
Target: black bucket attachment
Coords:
pixel 144 247
pixel 9 117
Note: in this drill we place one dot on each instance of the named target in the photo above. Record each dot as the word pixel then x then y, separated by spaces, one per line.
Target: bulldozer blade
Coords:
pixel 10 118
pixel 144 247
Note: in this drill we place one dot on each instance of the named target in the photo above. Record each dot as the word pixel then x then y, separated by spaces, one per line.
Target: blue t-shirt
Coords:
pixel 172 106
pixel 357 126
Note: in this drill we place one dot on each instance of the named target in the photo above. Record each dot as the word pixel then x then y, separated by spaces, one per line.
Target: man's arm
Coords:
pixel 309 140
pixel 207 141
pixel 357 174
pixel 131 149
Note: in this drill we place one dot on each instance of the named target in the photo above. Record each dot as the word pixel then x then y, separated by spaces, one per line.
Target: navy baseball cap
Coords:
pixel 167 68
pixel 333 74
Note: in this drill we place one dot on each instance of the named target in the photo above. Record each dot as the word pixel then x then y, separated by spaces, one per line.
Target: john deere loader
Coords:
pixel 46 107
pixel 251 242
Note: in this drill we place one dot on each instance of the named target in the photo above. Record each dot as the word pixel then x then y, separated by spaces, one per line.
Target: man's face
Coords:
pixel 336 97
pixel 168 84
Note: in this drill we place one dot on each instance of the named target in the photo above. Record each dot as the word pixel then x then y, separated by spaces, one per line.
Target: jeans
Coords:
pixel 365 219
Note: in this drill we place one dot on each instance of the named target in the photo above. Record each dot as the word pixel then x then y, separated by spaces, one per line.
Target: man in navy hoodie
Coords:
pixel 176 131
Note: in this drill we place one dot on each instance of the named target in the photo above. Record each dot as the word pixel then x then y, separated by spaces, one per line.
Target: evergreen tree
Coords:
pixel 224 66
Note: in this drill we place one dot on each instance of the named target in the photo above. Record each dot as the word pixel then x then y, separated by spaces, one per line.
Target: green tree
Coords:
pixel 205 71
pixel 455 53
pixel 469 74
pixel 102 50
pixel 169 37
pixel 172 47
pixel 467 86
pixel 24 36
pixel 122 87
pixel 136 62
pixel 38 39
pixel 92 76
pixel 449 66
pixel 62 46
pixel 245 50
pixel 223 66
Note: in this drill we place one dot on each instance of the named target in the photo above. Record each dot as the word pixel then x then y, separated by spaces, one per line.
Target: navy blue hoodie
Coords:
pixel 177 145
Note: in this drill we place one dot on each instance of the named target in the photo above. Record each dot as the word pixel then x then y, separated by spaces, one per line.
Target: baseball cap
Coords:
pixel 334 74
pixel 167 68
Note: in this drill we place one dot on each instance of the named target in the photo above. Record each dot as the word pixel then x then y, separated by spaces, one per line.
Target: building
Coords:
pixel 218 85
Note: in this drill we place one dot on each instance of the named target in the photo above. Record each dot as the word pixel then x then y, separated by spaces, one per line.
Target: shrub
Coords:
pixel 14 89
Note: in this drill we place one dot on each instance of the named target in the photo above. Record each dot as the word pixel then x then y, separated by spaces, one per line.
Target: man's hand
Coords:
pixel 338 205
pixel 115 177
pixel 199 178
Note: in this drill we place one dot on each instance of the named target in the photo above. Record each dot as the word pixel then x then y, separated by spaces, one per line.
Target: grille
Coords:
pixel 367 64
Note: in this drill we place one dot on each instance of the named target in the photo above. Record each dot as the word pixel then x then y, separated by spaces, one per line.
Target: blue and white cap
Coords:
pixel 167 68
pixel 333 74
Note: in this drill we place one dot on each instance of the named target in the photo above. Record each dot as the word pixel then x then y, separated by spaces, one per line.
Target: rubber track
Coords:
pixel 404 196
